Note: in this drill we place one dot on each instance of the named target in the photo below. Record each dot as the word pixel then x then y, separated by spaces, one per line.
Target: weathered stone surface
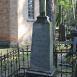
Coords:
pixel 36 73
pixel 41 64
pixel 40 56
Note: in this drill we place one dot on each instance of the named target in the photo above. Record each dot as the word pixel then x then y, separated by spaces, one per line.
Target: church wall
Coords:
pixel 14 23
pixel 25 25
pixel 4 20
pixel 13 20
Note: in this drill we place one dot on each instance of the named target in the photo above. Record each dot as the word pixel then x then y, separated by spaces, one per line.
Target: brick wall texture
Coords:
pixel 4 19
pixel 14 26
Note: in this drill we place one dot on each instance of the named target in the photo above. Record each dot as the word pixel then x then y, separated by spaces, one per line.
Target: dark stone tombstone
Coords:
pixel 62 32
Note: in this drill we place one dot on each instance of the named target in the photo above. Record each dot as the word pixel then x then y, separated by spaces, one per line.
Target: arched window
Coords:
pixel 31 9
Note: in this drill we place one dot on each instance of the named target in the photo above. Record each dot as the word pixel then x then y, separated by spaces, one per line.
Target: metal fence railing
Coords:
pixel 18 61
pixel 65 62
pixel 12 62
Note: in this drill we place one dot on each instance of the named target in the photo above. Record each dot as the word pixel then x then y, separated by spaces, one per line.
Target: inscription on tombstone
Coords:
pixel 62 32
pixel 41 45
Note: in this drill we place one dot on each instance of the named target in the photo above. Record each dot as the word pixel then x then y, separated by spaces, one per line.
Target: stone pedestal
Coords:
pixel 41 64
pixel 35 73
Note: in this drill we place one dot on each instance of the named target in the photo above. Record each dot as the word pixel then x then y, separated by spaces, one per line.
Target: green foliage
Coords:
pixel 68 12
pixel 68 59
pixel 66 3
pixel 69 30
pixel 68 35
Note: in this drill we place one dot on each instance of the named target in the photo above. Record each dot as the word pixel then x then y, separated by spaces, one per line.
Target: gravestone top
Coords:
pixel 42 18
pixel 73 34
pixel 74 43
pixel 42 7
pixel 74 40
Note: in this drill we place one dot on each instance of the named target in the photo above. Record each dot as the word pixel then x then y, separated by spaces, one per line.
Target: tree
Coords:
pixel 69 15
pixel 51 14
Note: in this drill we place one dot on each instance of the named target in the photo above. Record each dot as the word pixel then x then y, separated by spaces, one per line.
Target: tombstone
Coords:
pixel 62 32
pixel 73 42
pixel 41 63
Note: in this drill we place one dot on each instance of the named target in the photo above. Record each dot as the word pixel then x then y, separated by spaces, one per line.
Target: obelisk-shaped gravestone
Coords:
pixel 41 64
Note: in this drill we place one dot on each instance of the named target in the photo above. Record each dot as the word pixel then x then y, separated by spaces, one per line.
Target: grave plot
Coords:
pixel 65 63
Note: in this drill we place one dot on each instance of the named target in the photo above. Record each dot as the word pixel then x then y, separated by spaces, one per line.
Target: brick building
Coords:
pixel 16 21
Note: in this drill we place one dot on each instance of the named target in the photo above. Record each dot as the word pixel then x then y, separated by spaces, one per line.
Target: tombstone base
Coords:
pixel 33 73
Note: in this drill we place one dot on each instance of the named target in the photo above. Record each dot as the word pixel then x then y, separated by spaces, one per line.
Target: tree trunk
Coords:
pixel 73 11
pixel 76 16
pixel 51 14
pixel 59 15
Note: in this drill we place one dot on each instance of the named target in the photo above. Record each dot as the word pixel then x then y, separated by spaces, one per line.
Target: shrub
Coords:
pixel 68 35
pixel 69 29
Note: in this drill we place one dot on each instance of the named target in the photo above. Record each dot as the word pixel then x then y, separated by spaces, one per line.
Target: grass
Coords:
pixel 27 43
pixel 4 50
pixel 64 69
pixel 57 27
pixel 26 60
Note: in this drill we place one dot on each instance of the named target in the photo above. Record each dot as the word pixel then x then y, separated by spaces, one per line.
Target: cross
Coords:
pixel 42 7
pixel 74 44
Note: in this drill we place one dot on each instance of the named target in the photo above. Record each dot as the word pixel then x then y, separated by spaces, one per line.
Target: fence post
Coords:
pixel 76 65
pixel 8 61
pixel 27 55
pixel 61 62
pixel 16 60
pixel 72 63
pixel 1 64
pixel 11 63
pixel 19 56
pixel 66 66
pixel 23 59
pixel 5 64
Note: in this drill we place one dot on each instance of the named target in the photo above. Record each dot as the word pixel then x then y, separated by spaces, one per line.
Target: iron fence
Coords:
pixel 17 61
pixel 14 62
pixel 65 62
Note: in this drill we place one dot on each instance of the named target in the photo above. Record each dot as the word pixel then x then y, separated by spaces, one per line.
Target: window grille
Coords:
pixel 31 9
